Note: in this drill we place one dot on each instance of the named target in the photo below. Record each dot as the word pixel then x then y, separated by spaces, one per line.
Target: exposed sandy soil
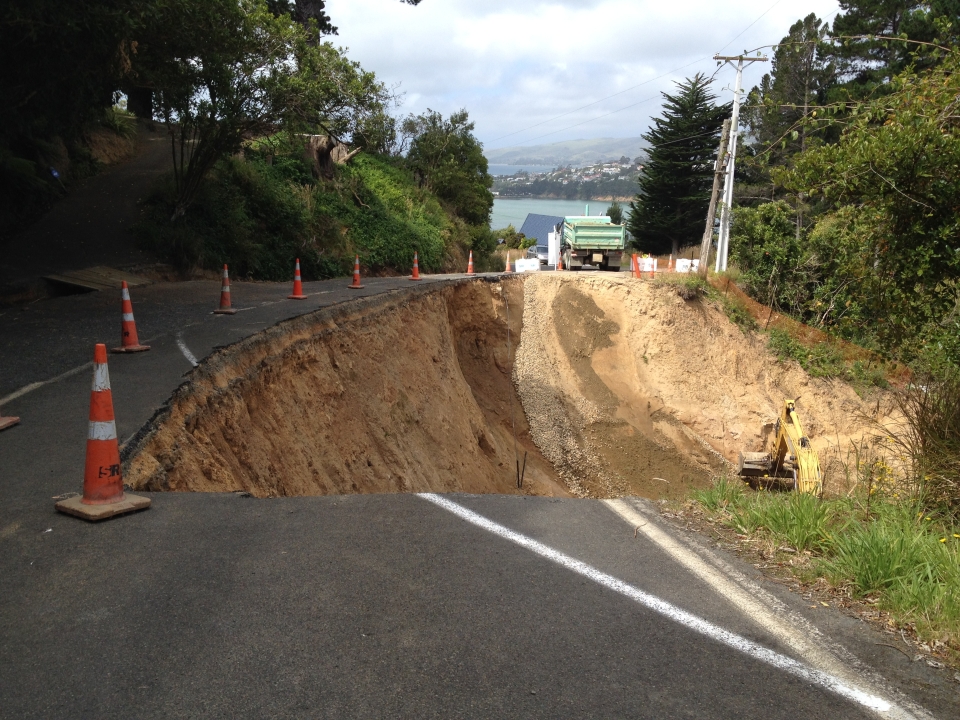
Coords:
pixel 631 390
pixel 627 388
pixel 404 394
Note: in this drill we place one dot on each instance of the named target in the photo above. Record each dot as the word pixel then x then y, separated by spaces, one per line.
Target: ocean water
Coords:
pixel 513 211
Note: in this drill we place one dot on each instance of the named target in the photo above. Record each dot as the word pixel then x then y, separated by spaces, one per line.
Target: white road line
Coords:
pixel 186 351
pixel 37 385
pixel 678 615
pixel 749 598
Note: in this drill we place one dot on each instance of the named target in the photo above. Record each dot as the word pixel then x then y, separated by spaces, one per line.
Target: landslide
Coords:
pixel 631 390
pixel 409 393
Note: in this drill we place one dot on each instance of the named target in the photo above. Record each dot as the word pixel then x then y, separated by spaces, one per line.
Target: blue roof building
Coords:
pixel 539 226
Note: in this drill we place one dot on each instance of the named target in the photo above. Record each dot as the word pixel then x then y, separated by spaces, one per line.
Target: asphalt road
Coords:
pixel 212 605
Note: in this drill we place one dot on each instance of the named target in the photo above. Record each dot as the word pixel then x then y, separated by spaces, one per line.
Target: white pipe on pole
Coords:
pixel 723 242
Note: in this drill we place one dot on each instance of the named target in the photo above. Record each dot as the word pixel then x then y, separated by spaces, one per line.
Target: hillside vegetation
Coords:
pixel 258 215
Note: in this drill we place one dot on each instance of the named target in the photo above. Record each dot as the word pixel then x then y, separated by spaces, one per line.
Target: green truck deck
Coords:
pixel 592 240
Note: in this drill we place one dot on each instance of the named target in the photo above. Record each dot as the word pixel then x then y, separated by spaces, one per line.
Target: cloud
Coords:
pixel 516 65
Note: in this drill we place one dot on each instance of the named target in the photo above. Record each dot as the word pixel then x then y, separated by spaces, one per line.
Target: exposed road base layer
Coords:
pixel 408 392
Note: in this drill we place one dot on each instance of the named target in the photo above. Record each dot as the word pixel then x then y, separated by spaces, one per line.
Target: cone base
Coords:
pixel 8 421
pixel 224 311
pixel 130 349
pixel 414 278
pixel 355 287
pixel 93 513
pixel 296 297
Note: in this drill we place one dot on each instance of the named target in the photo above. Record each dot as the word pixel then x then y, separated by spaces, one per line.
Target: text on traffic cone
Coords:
pixel 103 494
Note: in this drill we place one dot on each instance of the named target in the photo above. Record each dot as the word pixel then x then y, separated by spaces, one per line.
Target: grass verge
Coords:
pixel 688 286
pixel 889 556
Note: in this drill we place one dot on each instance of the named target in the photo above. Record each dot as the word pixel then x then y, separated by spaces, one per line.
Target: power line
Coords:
pixel 621 92
pixel 583 107
pixel 749 26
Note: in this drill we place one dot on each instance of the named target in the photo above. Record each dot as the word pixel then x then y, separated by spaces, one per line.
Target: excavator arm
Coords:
pixel 793 461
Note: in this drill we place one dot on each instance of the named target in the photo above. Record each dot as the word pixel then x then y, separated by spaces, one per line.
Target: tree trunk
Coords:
pixel 324 153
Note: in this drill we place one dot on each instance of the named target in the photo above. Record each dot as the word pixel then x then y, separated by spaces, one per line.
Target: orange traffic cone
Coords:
pixel 416 269
pixel 470 264
pixel 129 342
pixel 560 261
pixel 508 263
pixel 8 421
pixel 636 266
pixel 225 308
pixel 297 284
pixel 356 275
pixel 103 494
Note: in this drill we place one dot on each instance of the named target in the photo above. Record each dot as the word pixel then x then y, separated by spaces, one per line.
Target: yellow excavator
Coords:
pixel 792 464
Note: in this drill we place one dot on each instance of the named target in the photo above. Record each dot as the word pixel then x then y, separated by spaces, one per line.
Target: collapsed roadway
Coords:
pixel 349 539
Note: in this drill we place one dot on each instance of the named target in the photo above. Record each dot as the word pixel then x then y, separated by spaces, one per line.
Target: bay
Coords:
pixel 513 211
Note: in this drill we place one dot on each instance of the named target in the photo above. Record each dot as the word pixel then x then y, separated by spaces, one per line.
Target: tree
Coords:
pixel 893 185
pixel 668 212
pixel 239 70
pixel 867 60
pixel 305 11
pixel 449 161
pixel 798 82
pixel 615 213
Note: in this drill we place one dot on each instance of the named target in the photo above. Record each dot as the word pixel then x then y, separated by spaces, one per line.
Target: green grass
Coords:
pixel 738 313
pixel 689 286
pixel 904 559
pixel 825 360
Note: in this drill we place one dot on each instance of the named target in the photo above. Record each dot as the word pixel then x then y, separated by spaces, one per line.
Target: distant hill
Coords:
pixel 570 152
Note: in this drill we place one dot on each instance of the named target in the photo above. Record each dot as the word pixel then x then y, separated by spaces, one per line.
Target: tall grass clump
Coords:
pixel 929 436
pixel 688 286
pixel 902 556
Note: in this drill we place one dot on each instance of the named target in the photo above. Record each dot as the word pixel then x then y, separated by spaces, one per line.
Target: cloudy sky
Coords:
pixel 525 69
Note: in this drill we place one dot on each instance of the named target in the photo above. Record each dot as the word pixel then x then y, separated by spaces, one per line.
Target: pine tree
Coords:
pixel 865 57
pixel 669 211
pixel 799 80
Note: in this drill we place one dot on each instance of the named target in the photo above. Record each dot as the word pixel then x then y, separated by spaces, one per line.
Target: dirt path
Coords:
pixel 91 226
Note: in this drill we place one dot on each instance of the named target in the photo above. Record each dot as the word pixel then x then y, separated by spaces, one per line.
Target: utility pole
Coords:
pixel 723 243
pixel 718 170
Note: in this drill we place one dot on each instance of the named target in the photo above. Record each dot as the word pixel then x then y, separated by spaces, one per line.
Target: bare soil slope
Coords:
pixel 405 394
pixel 631 390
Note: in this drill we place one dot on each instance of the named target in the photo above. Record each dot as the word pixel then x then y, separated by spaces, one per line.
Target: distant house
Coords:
pixel 540 227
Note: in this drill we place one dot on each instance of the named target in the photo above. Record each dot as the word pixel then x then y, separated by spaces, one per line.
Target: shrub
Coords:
pixel 120 121
pixel 929 437
pixel 259 216
pixel 739 314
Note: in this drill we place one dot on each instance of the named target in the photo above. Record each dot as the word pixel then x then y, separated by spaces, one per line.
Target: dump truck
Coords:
pixel 792 462
pixel 591 240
